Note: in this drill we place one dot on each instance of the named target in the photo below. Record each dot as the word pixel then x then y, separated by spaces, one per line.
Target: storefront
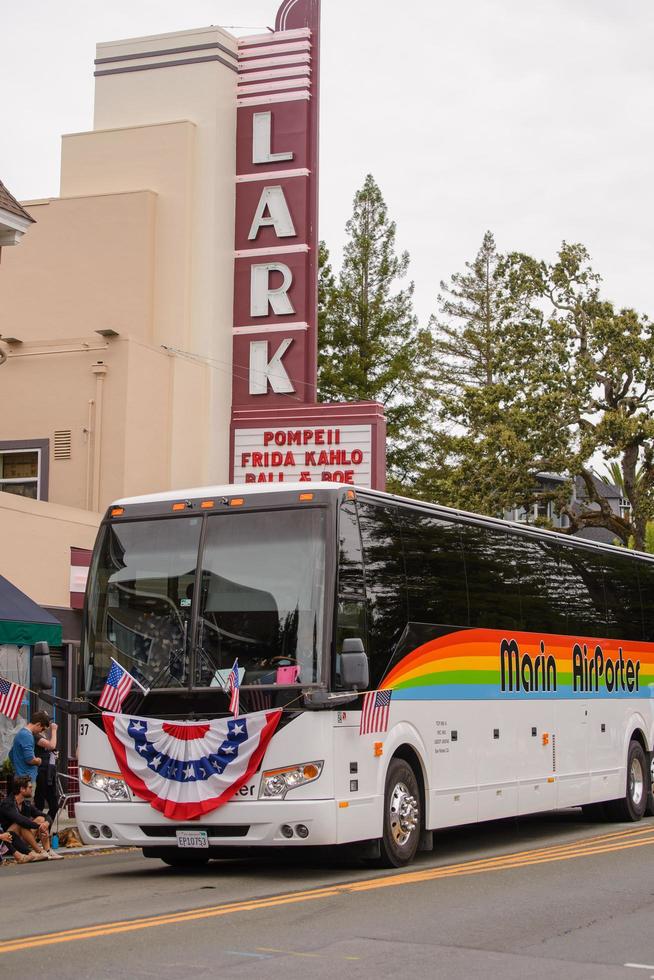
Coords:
pixel 22 624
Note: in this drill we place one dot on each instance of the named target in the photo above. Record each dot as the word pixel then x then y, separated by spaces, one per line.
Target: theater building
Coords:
pixel 158 324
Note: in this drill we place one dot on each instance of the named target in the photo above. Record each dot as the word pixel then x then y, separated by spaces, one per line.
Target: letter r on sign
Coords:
pixel 262 296
pixel 264 372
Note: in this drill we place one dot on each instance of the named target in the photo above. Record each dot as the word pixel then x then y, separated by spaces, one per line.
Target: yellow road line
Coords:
pixel 604 844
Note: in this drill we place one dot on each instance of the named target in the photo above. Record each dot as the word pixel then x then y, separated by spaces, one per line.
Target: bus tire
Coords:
pixel 631 807
pixel 171 857
pixel 649 809
pixel 402 816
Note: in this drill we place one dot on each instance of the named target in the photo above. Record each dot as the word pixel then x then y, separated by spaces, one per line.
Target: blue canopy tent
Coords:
pixel 22 621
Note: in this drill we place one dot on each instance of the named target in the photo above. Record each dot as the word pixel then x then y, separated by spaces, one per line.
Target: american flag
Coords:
pixel 374 714
pixel 11 698
pixel 259 700
pixel 116 688
pixel 233 687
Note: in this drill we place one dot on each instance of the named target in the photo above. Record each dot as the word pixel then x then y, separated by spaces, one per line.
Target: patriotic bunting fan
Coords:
pixel 186 769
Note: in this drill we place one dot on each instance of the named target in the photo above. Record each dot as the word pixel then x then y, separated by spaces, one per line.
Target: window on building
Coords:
pixel 20 472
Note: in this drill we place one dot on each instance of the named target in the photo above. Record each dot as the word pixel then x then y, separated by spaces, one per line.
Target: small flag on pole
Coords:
pixel 11 698
pixel 259 700
pixel 375 711
pixel 116 687
pixel 233 689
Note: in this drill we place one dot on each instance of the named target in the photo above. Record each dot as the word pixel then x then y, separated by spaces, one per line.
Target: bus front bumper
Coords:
pixel 248 824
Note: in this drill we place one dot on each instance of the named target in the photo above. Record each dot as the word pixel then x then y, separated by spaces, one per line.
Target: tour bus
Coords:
pixel 513 669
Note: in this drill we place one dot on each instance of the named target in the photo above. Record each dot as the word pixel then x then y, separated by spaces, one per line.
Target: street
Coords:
pixel 550 895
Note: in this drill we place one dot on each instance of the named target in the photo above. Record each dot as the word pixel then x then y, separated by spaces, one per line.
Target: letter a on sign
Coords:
pixel 264 372
pixel 273 201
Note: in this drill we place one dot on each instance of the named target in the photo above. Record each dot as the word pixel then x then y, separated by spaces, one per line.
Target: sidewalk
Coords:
pixel 65 822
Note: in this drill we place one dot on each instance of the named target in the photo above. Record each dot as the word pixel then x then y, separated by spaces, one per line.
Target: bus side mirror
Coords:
pixel 355 673
pixel 41 667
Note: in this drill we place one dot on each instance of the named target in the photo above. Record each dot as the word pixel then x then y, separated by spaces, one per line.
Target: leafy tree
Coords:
pixel 540 374
pixel 610 380
pixel 613 476
pixel 370 345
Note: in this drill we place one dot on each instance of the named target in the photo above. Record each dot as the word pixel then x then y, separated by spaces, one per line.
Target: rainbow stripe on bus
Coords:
pixel 479 664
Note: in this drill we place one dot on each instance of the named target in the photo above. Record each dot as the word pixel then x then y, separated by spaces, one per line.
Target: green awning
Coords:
pixel 22 621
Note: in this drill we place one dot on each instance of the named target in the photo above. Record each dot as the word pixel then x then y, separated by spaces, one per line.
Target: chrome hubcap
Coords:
pixel 403 814
pixel 636 782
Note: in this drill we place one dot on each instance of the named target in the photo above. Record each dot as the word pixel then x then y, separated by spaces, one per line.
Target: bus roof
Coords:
pixel 230 490
pixel 244 489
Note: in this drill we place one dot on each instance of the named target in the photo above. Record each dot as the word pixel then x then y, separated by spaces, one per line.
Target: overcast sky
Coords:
pixel 532 118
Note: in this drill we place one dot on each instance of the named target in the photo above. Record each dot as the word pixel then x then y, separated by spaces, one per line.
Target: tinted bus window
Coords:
pixel 436 579
pixel 646 581
pixel 492 578
pixel 350 555
pixel 543 602
pixel 385 584
pixel 581 573
pixel 624 614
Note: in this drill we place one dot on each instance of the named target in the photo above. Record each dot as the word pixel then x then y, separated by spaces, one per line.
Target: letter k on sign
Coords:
pixel 264 372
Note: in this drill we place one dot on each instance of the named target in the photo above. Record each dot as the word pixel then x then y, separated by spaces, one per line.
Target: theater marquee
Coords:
pixel 276 274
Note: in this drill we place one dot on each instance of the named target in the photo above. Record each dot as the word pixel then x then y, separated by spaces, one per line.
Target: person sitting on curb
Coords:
pixel 9 845
pixel 23 756
pixel 18 815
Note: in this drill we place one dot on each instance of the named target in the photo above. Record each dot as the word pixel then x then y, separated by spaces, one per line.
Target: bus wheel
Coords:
pixel 649 809
pixel 634 803
pixel 402 816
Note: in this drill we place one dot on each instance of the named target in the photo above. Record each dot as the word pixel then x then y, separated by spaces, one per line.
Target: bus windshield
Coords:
pixel 178 618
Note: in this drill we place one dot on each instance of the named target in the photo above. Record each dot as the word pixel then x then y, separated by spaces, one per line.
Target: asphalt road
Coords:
pixel 542 897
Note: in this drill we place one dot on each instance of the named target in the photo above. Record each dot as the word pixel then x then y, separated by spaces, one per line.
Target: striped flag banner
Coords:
pixel 116 687
pixel 233 688
pixel 375 711
pixel 11 698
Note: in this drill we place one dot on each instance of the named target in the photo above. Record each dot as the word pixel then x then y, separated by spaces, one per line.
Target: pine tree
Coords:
pixel 498 402
pixel 370 345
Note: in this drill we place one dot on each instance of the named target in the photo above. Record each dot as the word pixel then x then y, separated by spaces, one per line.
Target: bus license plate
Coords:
pixel 192 838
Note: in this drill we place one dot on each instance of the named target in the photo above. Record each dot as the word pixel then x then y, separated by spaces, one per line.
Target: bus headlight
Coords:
pixel 275 783
pixel 109 783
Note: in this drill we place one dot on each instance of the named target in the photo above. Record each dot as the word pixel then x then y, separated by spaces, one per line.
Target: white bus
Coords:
pixel 517 666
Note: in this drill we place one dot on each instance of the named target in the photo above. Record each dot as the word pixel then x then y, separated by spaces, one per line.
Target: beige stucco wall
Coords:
pixel 148 420
pixel 87 264
pixel 140 242
pixel 204 93
pixel 35 543
pixel 158 158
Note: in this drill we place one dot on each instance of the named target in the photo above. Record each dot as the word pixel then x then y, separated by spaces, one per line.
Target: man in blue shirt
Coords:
pixel 22 755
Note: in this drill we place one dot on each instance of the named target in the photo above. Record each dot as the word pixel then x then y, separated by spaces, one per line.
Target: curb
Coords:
pixel 94 849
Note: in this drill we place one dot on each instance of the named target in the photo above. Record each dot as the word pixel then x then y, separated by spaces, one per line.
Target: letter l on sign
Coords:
pixel 264 372
pixel 262 140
